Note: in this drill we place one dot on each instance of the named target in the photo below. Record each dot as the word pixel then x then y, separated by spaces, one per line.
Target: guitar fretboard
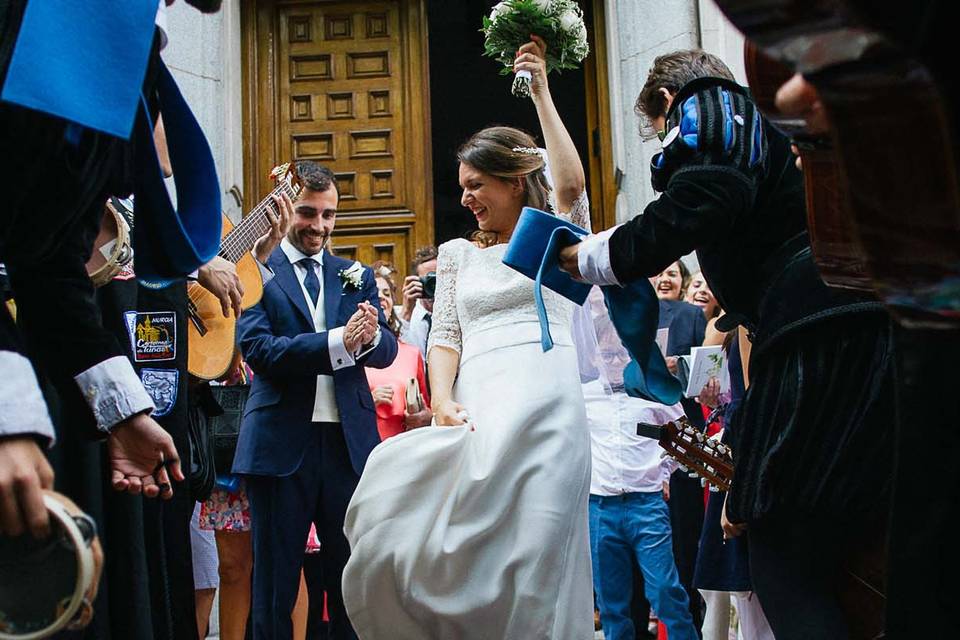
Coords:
pixel 240 241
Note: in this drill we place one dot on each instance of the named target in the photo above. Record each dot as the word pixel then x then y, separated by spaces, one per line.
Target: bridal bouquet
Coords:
pixel 558 22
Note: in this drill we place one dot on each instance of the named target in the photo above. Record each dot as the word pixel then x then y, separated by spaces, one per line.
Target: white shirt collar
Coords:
pixel 294 255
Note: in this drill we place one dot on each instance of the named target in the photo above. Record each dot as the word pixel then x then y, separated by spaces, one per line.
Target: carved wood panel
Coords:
pixel 346 84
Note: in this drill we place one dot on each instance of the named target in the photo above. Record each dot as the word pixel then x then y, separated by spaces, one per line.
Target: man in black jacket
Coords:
pixel 54 196
pixel 732 192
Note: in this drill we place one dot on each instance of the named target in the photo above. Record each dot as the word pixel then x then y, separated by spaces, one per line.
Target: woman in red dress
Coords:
pixel 389 386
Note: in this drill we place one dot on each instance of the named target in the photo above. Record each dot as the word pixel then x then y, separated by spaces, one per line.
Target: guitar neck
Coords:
pixel 240 241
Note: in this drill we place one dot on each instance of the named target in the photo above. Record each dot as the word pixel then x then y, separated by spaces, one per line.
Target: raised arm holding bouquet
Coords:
pixel 559 23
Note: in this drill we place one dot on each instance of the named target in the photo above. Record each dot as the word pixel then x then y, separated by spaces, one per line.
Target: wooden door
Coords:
pixel 346 84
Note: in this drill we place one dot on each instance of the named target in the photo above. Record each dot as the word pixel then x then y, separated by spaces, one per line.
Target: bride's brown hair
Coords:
pixel 508 153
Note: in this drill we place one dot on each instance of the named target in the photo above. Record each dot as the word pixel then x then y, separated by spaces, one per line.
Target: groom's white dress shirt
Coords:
pixel 325 402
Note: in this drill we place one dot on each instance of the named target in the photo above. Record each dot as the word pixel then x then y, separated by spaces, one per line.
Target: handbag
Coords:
pixel 225 428
pixel 202 472
pixel 414 398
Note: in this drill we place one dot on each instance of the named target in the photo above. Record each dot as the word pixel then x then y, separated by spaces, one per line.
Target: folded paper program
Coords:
pixel 634 309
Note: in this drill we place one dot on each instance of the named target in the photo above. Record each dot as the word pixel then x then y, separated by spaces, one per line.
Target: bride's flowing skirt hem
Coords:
pixel 480 534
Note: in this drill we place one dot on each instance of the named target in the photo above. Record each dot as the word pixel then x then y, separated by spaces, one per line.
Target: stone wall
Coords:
pixel 203 54
pixel 637 32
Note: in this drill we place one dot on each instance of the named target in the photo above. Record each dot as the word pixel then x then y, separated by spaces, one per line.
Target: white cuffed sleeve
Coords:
pixel 593 258
pixel 22 408
pixel 114 392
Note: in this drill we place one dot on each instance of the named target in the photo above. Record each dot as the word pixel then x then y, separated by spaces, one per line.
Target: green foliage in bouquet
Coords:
pixel 558 22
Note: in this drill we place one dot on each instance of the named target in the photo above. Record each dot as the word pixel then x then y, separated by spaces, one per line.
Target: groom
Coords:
pixel 309 422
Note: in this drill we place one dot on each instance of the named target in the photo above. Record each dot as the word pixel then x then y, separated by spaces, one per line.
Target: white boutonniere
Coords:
pixel 352 277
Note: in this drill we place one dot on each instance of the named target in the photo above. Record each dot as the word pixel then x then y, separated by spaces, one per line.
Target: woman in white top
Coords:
pixel 478 528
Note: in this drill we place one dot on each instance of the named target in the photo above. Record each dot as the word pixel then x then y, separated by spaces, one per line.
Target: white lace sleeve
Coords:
pixel 445 331
pixel 579 213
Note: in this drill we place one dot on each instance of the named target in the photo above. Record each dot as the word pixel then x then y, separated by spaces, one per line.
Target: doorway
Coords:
pixel 468 93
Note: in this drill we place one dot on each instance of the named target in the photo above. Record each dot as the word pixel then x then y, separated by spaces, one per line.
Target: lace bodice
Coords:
pixel 476 291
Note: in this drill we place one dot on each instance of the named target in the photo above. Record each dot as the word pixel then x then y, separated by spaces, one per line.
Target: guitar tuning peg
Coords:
pixel 693 474
pixel 714 489
pixel 699 436
pixel 683 468
pixel 703 482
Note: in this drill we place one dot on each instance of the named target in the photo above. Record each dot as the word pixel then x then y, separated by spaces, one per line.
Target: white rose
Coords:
pixel 543 5
pixel 569 20
pixel 499 9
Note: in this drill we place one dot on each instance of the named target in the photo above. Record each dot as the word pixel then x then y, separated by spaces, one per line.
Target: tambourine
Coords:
pixel 112 250
pixel 49 585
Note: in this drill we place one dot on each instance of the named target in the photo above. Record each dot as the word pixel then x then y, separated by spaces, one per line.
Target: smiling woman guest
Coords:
pixel 700 295
pixel 389 386
pixel 671 283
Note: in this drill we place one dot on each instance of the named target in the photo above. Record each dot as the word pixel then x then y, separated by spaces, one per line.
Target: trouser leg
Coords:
pixel 716 618
pixel 647 522
pixel 339 481
pixel 612 573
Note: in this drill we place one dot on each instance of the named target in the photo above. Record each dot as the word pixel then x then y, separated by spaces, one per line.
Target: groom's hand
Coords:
pixel 361 328
pixel 353 331
pixel 371 322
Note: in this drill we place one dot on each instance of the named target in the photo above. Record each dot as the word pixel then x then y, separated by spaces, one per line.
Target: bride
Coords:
pixel 478 528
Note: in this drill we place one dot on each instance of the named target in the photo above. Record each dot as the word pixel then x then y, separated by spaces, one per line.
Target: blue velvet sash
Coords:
pixel 634 309
pixel 171 243
pixel 85 61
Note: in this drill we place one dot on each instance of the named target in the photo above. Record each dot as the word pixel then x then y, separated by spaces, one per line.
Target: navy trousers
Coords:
pixel 281 510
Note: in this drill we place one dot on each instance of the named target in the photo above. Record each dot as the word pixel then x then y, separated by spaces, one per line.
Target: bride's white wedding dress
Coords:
pixel 481 531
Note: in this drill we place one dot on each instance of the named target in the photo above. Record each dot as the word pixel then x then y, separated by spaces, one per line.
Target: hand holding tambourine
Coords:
pixel 49 584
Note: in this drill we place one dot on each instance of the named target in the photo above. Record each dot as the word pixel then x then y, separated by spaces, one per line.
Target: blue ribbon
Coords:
pixel 559 238
pixel 635 312
pixel 170 243
pixel 633 308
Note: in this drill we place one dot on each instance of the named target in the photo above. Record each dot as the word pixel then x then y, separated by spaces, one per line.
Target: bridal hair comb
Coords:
pixel 530 151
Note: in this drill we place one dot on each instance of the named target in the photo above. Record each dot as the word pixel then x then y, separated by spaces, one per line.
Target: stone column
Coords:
pixel 203 53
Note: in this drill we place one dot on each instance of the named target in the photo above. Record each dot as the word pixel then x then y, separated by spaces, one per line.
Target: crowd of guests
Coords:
pixel 661 545
pixel 659 554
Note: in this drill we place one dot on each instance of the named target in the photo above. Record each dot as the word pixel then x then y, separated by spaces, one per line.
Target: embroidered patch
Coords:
pixel 162 385
pixel 153 335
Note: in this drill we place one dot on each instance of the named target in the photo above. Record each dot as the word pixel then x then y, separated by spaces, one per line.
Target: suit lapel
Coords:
pixel 332 290
pixel 287 279
pixel 666 314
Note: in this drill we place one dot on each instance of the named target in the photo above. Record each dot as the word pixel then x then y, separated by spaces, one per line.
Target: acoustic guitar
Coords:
pixel 698 455
pixel 883 200
pixel 212 342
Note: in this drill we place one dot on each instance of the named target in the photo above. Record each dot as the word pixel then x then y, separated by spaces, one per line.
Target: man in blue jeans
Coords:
pixel 629 518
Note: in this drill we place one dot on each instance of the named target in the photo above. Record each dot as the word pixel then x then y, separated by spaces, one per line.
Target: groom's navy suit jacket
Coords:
pixel 278 341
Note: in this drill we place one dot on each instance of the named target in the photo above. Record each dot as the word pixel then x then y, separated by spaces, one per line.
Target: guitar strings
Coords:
pixel 235 244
